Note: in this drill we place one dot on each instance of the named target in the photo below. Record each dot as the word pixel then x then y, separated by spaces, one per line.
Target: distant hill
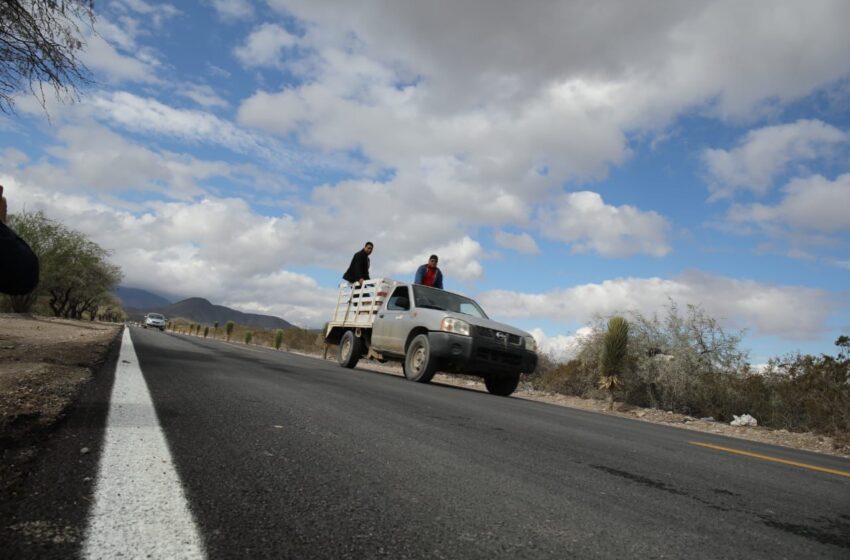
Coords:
pixel 202 311
pixel 135 298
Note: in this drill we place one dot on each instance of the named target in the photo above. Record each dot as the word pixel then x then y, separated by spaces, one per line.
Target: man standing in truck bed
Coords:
pixel 429 275
pixel 358 270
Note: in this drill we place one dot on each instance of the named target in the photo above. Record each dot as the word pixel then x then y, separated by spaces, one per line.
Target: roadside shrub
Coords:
pixel 674 363
pixel 810 393
pixel 570 378
pixel 248 336
pixel 278 338
pixel 206 331
pixel 687 363
pixel 228 329
pixel 681 363
pixel 303 340
pixel 613 358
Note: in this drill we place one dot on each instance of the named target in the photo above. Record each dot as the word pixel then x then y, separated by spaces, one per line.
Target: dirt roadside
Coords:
pixel 45 362
pixel 44 365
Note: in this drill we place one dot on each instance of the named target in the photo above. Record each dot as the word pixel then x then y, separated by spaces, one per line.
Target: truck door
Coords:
pixel 385 331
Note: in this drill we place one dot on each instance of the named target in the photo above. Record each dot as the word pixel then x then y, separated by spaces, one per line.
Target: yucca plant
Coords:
pixel 228 329
pixel 278 338
pixel 248 337
pixel 614 349
pixel 206 331
pixel 215 329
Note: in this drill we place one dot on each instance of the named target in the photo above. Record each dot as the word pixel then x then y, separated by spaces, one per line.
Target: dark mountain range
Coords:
pixel 136 298
pixel 202 311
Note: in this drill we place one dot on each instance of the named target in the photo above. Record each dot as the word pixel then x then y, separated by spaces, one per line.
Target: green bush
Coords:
pixel 278 338
pixel 248 336
pixel 613 358
pixel 228 329
pixel 206 331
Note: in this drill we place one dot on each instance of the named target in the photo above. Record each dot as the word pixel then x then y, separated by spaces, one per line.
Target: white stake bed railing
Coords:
pixel 358 304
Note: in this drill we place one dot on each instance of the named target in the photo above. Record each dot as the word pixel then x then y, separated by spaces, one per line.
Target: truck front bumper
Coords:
pixel 466 354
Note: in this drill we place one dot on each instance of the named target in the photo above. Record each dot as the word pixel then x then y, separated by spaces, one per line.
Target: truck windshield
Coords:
pixel 432 298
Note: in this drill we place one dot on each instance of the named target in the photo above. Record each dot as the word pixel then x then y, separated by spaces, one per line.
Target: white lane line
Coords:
pixel 140 510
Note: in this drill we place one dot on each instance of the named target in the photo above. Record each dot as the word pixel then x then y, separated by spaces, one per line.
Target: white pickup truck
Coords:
pixel 428 330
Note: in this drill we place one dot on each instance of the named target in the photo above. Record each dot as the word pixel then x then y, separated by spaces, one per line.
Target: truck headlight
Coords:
pixel 456 326
pixel 530 344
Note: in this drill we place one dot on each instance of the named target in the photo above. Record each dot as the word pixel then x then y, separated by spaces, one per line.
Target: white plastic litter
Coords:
pixel 744 420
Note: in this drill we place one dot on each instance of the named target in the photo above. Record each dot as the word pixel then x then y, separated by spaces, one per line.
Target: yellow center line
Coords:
pixel 774 459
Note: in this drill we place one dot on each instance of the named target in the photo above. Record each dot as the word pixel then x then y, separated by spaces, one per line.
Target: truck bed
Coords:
pixel 358 305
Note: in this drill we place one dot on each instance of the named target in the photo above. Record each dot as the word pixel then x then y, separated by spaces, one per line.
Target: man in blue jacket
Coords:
pixel 429 274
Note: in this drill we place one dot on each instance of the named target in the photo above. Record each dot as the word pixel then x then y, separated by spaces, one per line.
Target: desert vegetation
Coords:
pixel 686 362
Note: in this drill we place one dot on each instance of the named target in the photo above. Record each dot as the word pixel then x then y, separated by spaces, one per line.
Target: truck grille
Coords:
pixel 498 335
pixel 499 356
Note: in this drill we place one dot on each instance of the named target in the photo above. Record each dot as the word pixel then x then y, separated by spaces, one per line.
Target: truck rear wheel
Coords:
pixel 419 366
pixel 501 384
pixel 350 350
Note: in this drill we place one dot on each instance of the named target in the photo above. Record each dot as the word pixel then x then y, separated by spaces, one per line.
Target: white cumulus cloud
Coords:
pixel 264 46
pixel 521 242
pixel 814 204
pixel 560 347
pixel 233 9
pixel 765 153
pixel 793 312
pixel 588 224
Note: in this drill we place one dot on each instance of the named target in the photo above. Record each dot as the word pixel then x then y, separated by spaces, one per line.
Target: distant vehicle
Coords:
pixel 154 321
pixel 428 330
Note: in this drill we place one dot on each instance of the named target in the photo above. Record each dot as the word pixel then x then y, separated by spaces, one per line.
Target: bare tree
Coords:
pixel 39 44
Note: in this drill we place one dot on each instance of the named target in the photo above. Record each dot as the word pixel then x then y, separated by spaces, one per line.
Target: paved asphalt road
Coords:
pixel 283 456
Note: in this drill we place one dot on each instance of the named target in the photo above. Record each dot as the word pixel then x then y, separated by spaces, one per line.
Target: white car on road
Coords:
pixel 155 321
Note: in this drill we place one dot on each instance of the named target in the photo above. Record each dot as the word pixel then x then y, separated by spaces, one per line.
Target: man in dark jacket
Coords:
pixel 429 275
pixel 18 264
pixel 358 270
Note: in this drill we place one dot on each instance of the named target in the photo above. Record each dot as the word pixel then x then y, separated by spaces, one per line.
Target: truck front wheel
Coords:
pixel 501 384
pixel 350 350
pixel 419 366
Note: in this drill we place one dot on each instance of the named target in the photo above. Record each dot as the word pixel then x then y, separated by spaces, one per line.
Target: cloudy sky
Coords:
pixel 564 158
